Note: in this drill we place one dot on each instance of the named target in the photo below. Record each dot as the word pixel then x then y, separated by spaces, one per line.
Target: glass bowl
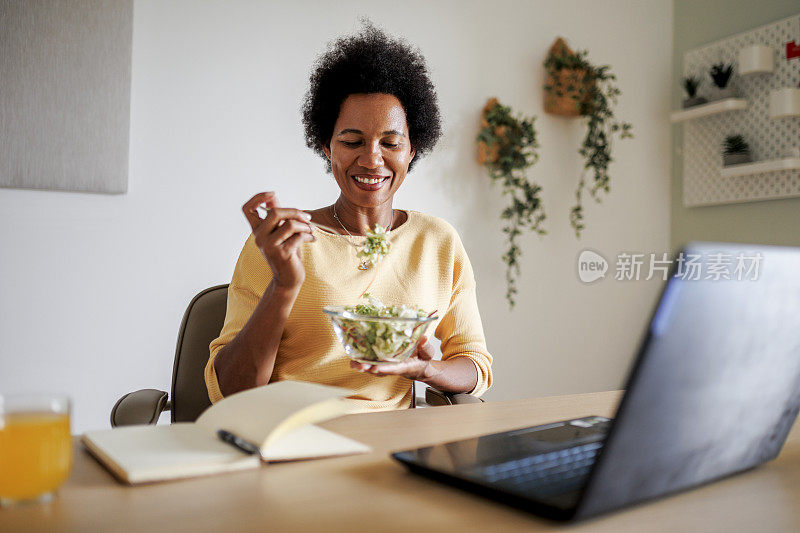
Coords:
pixel 376 340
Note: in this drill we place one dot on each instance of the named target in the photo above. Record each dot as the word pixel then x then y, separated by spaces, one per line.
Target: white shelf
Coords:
pixel 720 106
pixel 774 165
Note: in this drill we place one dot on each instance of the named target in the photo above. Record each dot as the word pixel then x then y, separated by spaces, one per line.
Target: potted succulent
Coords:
pixel 735 151
pixel 721 76
pixel 690 85
pixel 576 87
pixel 506 147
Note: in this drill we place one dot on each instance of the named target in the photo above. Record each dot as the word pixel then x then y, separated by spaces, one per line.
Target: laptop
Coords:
pixel 714 391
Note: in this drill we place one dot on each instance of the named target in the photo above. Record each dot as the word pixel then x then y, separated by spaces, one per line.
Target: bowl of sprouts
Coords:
pixel 374 333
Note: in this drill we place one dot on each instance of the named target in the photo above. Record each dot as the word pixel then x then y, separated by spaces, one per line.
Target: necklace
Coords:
pixel 388 229
pixel 368 261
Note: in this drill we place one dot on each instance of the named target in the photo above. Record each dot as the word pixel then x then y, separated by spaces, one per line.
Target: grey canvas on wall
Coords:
pixel 65 84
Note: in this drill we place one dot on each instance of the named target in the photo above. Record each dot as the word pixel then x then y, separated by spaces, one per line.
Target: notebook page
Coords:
pixel 309 442
pixel 254 414
pixel 137 454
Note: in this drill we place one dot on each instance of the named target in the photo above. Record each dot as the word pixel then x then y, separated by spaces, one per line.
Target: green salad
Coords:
pixel 381 340
pixel 376 245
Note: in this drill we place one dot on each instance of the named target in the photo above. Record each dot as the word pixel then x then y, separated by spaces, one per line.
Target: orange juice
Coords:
pixel 35 453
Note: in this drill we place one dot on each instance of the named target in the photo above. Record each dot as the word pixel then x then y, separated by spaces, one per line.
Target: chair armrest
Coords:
pixel 139 407
pixel 436 398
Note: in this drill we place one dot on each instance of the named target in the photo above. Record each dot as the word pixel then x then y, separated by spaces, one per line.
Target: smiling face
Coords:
pixel 370 148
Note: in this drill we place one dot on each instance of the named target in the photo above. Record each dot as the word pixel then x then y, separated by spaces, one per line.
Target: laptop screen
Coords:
pixel 716 385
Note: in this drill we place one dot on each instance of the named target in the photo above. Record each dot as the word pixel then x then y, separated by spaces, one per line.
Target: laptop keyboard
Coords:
pixel 544 474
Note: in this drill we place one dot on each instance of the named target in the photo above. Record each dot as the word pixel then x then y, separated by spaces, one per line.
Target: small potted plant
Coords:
pixel 736 151
pixel 690 85
pixel 721 76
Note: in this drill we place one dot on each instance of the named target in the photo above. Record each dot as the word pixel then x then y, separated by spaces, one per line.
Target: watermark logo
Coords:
pixel 591 266
pixel 688 266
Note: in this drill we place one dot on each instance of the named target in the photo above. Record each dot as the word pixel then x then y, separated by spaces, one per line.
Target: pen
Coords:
pixel 243 445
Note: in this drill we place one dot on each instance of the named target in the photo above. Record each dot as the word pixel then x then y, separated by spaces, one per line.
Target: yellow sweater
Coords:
pixel 427 266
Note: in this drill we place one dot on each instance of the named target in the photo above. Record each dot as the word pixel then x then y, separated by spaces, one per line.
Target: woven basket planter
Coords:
pixel 567 92
pixel 485 152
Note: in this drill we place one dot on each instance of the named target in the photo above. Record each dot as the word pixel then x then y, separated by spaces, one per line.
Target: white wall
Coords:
pixel 93 287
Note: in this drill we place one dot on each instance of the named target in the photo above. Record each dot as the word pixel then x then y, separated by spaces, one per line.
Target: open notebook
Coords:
pixel 277 418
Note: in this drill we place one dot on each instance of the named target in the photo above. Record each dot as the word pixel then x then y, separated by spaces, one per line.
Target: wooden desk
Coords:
pixel 373 493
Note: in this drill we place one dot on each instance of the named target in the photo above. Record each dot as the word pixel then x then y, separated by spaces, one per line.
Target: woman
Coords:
pixel 371 111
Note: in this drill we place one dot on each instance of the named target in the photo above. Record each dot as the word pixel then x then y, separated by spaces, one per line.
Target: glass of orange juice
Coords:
pixel 35 446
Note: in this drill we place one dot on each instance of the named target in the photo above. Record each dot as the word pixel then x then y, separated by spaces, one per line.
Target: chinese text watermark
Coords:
pixel 714 266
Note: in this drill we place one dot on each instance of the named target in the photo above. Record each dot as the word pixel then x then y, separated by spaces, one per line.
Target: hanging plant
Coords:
pixel 506 147
pixel 575 87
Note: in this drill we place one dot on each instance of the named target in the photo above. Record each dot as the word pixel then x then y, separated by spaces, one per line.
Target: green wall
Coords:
pixel 697 22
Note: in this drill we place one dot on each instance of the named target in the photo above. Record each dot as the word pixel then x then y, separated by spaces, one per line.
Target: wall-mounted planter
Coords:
pixel 756 59
pixel 694 101
pixel 716 93
pixel 736 159
pixel 569 94
pixel 568 91
pixel 784 102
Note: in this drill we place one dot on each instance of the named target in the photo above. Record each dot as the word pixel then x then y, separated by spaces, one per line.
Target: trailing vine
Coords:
pixel 506 147
pixel 594 93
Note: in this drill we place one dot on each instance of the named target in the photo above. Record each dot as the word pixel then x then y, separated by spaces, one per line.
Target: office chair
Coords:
pixel 201 324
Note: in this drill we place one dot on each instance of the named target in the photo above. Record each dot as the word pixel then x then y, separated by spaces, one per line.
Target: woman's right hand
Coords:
pixel 279 236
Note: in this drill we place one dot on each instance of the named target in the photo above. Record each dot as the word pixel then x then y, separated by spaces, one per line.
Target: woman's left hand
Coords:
pixel 418 366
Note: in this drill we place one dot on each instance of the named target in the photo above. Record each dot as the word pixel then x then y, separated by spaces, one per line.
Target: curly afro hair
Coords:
pixel 371 62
